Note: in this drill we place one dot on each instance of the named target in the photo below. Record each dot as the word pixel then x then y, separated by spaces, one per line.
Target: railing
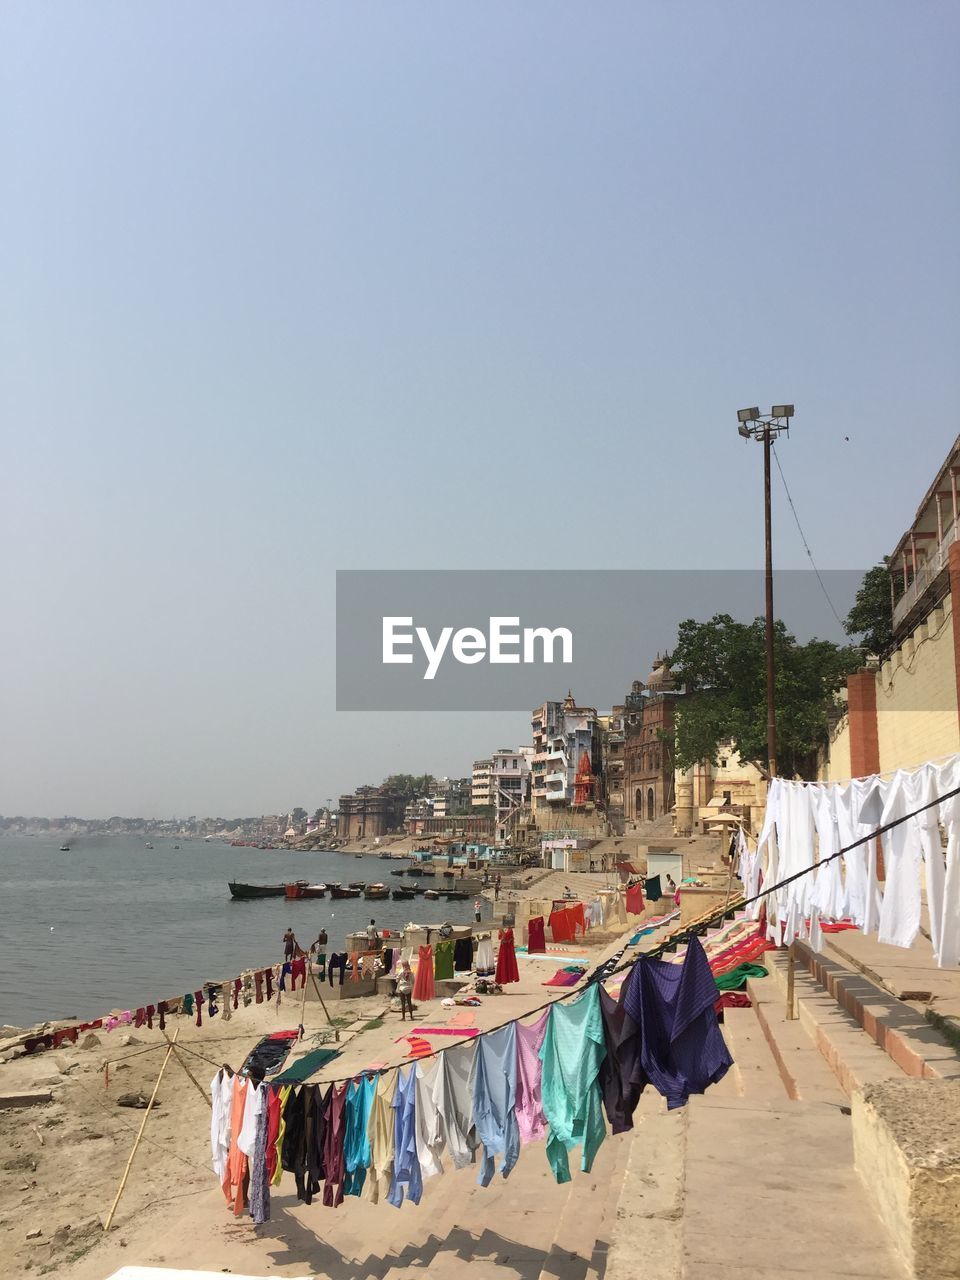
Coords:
pixel 926 575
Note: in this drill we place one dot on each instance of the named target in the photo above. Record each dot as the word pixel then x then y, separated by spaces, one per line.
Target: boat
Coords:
pixel 338 891
pixel 149 845
pixel 385 857
pixel 376 891
pixel 64 848
pixel 359 855
pixel 402 895
pixel 454 895
pixel 401 872
pixel 413 871
pixel 176 846
pixel 431 894
pixel 301 889
pixel 245 891
pixel 356 884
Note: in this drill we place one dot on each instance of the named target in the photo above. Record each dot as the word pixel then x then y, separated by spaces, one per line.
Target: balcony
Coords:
pixel 928 572
pixel 556 780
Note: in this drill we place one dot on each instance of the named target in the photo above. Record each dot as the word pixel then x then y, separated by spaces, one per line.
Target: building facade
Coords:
pixel 903 707
pixel 612 744
pixel 481 784
pixel 562 733
pixel 369 813
pixel 648 715
pixel 510 788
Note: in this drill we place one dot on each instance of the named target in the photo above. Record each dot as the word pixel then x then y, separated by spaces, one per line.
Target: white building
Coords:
pixel 509 787
pixel 481 787
pixel 562 731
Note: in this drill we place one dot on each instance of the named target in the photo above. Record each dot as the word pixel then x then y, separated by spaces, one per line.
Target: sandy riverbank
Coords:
pixel 63 1159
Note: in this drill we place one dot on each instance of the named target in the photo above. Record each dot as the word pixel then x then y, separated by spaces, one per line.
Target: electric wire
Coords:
pixel 806 547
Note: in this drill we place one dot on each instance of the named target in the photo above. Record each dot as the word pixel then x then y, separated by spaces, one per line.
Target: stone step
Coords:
pixel 802 1069
pixel 754 1073
pixel 586 1227
pixel 855 1059
pixel 900 1029
pixel 770 1191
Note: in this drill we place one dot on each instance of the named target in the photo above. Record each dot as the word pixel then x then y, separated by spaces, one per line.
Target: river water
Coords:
pixel 112 923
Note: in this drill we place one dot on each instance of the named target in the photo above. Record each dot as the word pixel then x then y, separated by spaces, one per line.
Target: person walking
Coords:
pixel 477 909
pixel 289 944
pixel 405 990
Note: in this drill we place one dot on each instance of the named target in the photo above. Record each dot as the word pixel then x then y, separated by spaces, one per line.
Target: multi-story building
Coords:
pixel 562 733
pixel 481 786
pixel 510 787
pixel 368 813
pixel 611 747
pixel 903 707
pixel 648 712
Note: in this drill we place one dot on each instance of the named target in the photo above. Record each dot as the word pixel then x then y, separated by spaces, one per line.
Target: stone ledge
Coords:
pixel 906 1140
pixel 33 1098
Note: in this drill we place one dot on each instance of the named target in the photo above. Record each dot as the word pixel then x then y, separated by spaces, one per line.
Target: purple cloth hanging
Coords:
pixel 682 1050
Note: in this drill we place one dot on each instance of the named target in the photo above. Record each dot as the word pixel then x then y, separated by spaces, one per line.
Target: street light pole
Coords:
pixel 766 428
pixel 768 592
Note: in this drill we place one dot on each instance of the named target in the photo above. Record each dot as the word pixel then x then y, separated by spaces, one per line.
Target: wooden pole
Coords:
pixel 191 1076
pixel 143 1125
pixel 316 987
pixel 791 975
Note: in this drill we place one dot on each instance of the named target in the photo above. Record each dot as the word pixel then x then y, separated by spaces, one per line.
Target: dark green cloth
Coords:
pixel 305 1067
pixel 736 979
pixel 443 959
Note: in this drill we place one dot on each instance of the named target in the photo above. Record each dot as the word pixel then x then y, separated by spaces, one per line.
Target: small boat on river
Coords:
pixel 402 895
pixel 246 891
pixel 301 889
pixel 342 891
pixel 431 894
pixel 376 891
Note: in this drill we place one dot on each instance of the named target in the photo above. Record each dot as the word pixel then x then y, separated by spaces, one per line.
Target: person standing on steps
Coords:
pixel 373 938
pixel 405 990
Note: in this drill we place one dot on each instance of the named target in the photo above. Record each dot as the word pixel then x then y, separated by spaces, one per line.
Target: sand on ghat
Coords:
pixel 62 1161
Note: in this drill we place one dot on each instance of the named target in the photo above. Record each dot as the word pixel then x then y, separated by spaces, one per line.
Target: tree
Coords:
pixel 409 785
pixel 721 664
pixel 298 816
pixel 872 614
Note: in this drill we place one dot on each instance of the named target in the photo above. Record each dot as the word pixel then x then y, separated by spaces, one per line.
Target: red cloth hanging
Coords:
pixel 299 970
pixel 536 940
pixel 507 970
pixel 635 902
pixel 423 987
pixel 562 926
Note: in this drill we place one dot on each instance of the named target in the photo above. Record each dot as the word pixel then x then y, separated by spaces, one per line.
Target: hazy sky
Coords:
pixel 296 287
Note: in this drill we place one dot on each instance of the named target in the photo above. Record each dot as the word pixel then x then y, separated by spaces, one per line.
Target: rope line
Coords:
pixel 673 941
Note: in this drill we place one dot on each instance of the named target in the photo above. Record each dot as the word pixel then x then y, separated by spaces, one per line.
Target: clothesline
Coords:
pixel 879 773
pixel 681 935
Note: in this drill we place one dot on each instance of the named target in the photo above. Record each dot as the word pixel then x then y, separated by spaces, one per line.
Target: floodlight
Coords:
pixel 744 431
pixel 782 411
pixel 748 415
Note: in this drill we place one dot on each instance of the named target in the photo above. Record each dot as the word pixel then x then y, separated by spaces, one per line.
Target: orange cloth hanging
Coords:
pixel 562 926
pixel 236 1171
pixel 355 966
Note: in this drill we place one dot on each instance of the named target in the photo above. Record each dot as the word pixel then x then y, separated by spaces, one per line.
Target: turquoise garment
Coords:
pixel 356 1144
pixel 573 1049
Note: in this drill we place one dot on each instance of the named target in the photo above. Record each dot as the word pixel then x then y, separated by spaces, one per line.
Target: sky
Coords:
pixel 294 288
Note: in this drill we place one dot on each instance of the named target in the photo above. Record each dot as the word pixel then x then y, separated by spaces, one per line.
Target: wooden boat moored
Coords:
pixel 340 891
pixel 246 891
pixel 301 889
pixel 376 891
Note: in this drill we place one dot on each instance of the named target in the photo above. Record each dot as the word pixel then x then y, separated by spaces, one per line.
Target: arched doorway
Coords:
pixel 650 804
pixel 638 804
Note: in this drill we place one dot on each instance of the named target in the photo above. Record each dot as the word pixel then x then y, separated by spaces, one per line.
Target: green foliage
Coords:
pixel 872 616
pixel 410 785
pixel 722 666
